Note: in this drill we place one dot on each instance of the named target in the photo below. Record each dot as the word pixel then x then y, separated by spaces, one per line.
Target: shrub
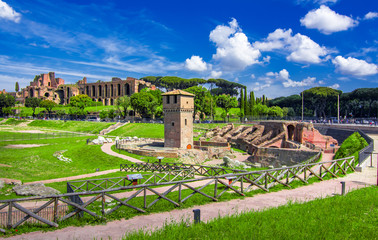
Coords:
pixel 351 146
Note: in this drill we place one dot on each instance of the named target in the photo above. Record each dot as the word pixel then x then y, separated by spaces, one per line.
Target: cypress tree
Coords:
pixel 17 87
pixel 246 108
pixel 251 102
pixel 241 100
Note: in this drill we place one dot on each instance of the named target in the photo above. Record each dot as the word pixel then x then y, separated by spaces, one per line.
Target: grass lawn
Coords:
pixel 143 130
pixel 38 163
pixel 145 158
pixel 353 216
pixel 12 121
pixel 72 126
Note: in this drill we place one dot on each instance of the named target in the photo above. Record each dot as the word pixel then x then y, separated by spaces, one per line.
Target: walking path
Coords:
pixel 107 148
pixel 117 229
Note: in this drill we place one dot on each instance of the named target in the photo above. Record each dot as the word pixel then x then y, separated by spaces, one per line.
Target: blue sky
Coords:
pixel 274 47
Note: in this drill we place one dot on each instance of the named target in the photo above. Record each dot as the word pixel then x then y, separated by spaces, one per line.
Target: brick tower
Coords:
pixel 178 107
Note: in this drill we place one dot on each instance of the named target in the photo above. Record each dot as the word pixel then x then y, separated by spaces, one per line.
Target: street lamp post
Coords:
pixel 338 109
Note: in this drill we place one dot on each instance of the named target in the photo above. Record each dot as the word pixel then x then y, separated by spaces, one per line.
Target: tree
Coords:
pixel 226 102
pixel 203 102
pixel 80 101
pixel 251 103
pixel 17 87
pixel 78 104
pixel 246 105
pixel 225 87
pixel 242 100
pixel 103 114
pixel 33 103
pixel 318 97
pixel 48 105
pixel 144 103
pixel 122 104
pixel 6 101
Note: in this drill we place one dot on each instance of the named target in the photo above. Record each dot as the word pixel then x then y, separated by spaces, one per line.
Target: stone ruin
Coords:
pixel 275 142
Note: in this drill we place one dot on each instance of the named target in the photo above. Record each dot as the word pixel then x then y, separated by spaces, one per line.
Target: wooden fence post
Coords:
pixel 9 223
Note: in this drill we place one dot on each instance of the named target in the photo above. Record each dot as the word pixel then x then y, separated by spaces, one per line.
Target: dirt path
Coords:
pixel 76 177
pixel 117 229
pixel 107 148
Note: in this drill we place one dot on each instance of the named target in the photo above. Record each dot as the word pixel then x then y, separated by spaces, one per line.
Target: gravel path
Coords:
pixel 116 229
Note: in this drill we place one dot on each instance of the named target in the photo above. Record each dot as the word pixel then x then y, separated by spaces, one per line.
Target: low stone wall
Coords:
pixel 150 153
pixel 278 157
pixel 211 144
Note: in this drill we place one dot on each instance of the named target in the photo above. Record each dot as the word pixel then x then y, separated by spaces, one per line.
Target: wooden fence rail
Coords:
pixel 109 183
pixel 213 180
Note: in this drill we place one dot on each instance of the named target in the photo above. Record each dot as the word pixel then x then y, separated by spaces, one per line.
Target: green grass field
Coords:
pixel 143 130
pixel 38 163
pixel 72 126
pixel 353 216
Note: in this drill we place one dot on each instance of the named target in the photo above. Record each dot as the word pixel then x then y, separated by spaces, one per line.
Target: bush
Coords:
pixel 352 145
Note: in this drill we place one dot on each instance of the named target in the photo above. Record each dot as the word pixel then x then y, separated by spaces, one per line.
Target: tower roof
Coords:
pixel 178 92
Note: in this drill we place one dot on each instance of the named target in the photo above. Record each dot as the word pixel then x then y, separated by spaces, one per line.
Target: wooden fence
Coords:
pixel 238 182
pixel 109 183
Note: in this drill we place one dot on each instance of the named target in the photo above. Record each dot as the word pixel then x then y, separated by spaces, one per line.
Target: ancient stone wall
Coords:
pixel 279 157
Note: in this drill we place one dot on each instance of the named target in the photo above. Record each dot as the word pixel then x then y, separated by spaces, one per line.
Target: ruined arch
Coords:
pixel 31 92
pixel 99 90
pixel 118 89
pixel 127 89
pixel 93 91
pixel 106 91
pixel 290 132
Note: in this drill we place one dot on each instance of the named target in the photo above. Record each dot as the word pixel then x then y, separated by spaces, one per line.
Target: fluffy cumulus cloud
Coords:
pixel 215 74
pixel 334 86
pixel 8 13
pixel 299 48
pixel 309 81
pixel 284 77
pixel 327 21
pixel 354 67
pixel 371 15
pixel 195 63
pixel 234 51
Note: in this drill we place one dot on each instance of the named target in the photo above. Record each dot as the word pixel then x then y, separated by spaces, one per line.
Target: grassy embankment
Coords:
pixel 351 146
pixel 353 216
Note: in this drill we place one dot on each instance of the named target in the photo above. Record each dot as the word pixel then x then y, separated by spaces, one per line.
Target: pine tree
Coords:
pixel 17 87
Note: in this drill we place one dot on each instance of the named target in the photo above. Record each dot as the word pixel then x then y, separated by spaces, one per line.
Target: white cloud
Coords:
pixel 371 15
pixel 325 1
pixel 195 63
pixel 309 81
pixel 284 77
pixel 259 87
pixel 253 76
pixel 234 51
pixel 299 48
pixel 216 74
pixel 353 66
pixel 334 86
pixel 8 13
pixel 327 21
